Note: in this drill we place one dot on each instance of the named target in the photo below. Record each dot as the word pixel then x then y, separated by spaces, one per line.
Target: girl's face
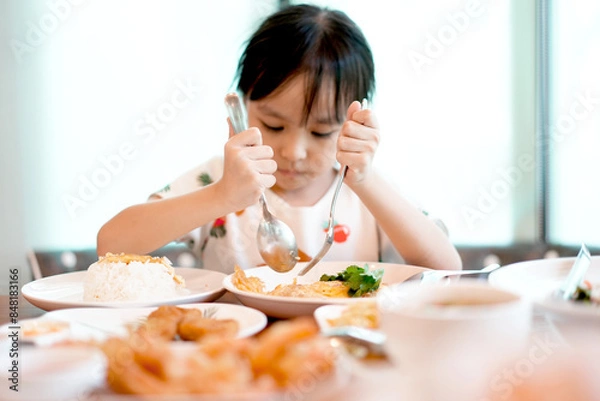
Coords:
pixel 304 151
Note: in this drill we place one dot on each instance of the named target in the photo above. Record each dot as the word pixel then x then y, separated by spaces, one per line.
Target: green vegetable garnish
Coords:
pixel 359 280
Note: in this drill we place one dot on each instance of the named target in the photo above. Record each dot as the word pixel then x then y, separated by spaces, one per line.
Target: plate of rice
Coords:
pixel 126 281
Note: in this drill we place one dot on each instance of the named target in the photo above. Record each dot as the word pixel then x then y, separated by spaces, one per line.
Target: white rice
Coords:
pixel 132 281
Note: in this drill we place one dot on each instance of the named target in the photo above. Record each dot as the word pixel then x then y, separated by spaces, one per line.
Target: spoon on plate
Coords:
pixel 359 341
pixel 429 276
pixel 576 274
pixel 275 239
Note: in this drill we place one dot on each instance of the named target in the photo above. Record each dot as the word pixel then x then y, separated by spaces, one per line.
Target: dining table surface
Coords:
pixel 368 378
pixel 376 375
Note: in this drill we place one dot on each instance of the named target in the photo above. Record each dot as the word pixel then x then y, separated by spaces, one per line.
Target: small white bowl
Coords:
pixel 44 331
pixel 39 331
pixel 462 329
pixel 323 314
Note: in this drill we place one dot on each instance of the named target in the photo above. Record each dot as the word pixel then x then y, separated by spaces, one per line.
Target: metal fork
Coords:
pixel 330 224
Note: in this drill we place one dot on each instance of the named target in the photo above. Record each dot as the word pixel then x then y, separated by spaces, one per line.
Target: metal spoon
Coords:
pixel 359 341
pixel 329 234
pixel 330 224
pixel 431 276
pixel 576 274
pixel 275 239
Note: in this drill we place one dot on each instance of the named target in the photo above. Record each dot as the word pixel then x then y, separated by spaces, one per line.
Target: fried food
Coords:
pixel 195 328
pixel 280 357
pixel 169 311
pixel 169 323
pixel 318 289
pixel 143 365
pixel 245 283
pixel 160 327
pixel 132 367
pixel 273 342
pixel 289 349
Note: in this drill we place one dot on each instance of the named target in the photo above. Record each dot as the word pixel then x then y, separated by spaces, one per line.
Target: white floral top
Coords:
pixel 231 240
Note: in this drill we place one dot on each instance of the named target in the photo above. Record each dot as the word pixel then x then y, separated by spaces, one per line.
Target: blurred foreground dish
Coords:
pixel 278 358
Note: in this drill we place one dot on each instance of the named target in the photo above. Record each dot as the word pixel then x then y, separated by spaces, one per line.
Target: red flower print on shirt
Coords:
pixel 341 232
pixel 218 228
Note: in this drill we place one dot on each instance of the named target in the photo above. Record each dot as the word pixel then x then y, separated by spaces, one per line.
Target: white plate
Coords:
pixel 101 323
pixel 66 290
pixel 36 331
pixel 52 373
pixel 287 307
pixel 536 280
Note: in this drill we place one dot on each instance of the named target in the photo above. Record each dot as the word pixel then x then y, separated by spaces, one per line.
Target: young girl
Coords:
pixel 301 76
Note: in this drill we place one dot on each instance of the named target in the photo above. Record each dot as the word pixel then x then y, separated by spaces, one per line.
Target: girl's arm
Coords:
pixel 248 169
pixel 418 239
pixel 145 227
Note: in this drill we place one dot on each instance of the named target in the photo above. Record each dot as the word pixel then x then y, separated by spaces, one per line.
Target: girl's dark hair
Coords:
pixel 325 45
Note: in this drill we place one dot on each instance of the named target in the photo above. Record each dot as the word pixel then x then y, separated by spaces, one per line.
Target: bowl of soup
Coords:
pixel 452 329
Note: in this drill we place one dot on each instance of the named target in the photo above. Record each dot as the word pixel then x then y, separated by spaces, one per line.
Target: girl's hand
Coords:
pixel 357 143
pixel 248 169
